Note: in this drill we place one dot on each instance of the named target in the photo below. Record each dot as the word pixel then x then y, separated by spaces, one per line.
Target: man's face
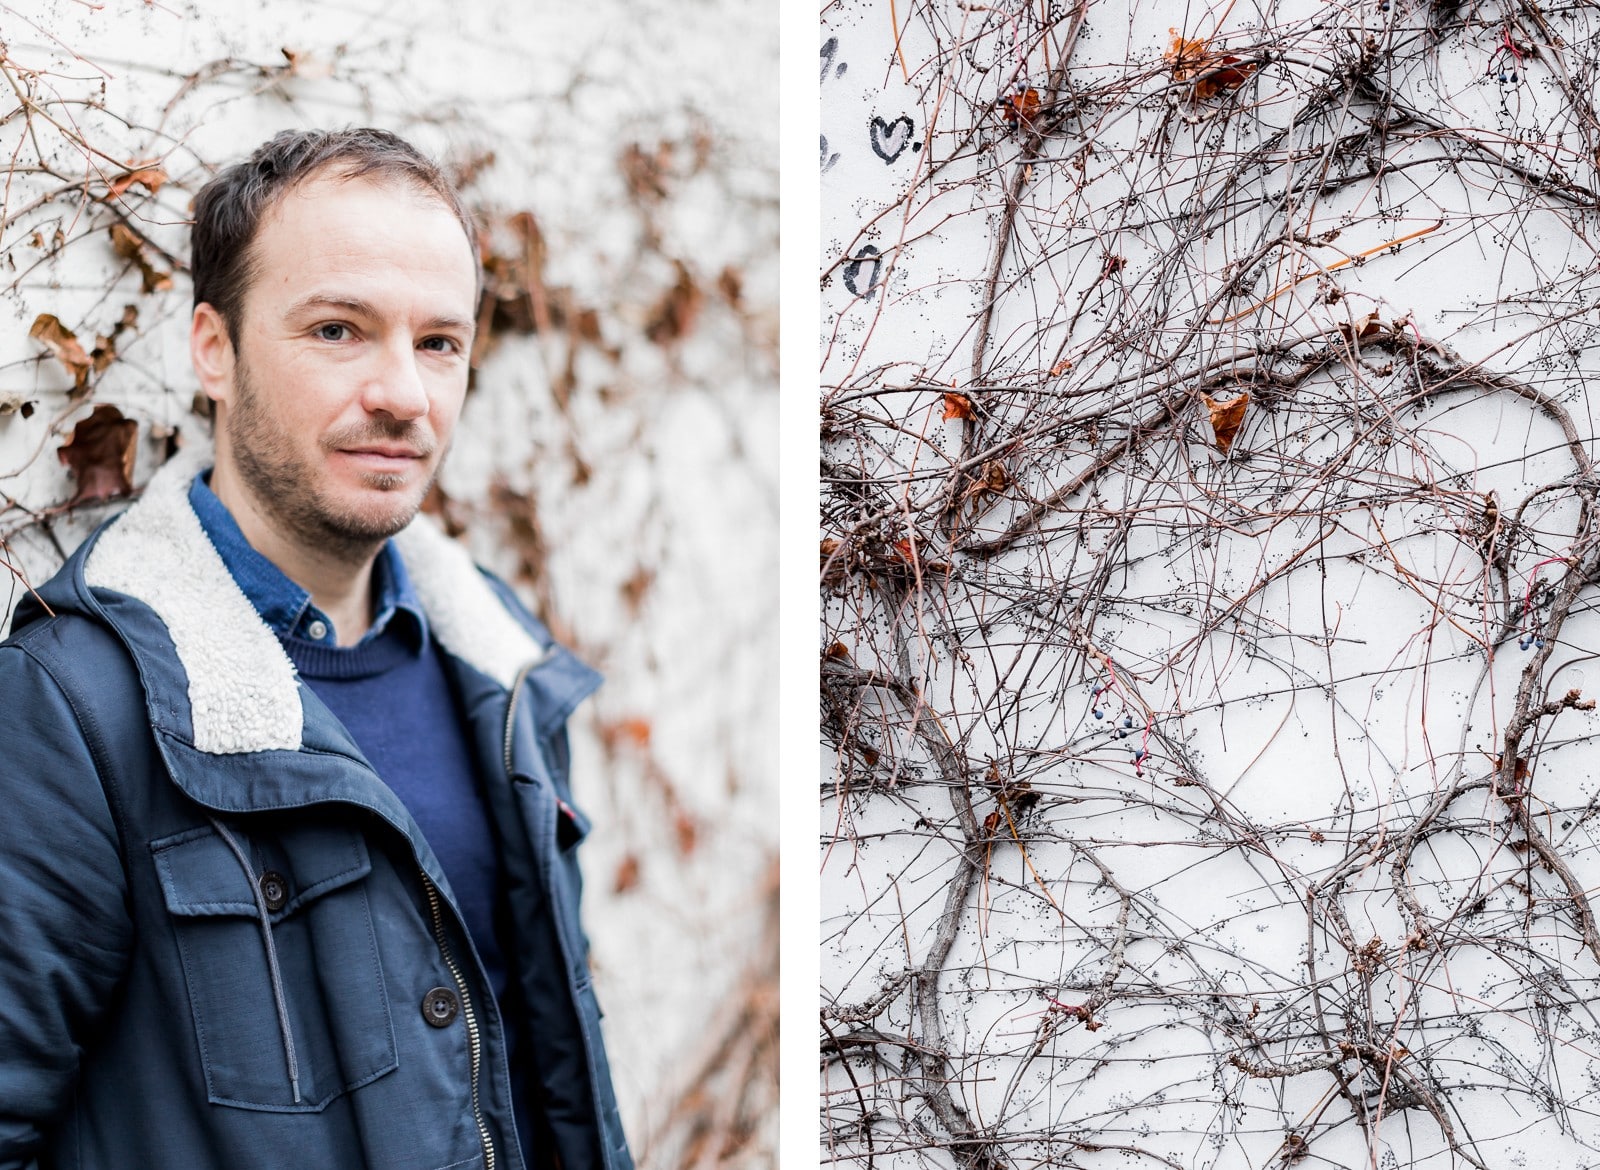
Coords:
pixel 351 361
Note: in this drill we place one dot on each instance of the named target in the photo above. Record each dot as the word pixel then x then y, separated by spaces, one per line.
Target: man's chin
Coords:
pixel 373 519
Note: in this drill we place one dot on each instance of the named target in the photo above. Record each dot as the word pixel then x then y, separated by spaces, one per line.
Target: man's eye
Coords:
pixel 440 344
pixel 333 332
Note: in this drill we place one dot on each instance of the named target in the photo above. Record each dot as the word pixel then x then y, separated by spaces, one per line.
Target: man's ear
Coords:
pixel 211 351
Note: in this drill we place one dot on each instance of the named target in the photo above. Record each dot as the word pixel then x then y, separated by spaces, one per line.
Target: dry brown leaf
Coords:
pixel 627 874
pixel 995 477
pixel 685 831
pixel 635 730
pixel 1186 56
pixel 64 344
pixel 1212 73
pixel 100 455
pixel 1019 109
pixel 957 405
pixel 1226 418
pixel 1362 328
pixel 150 178
pixel 675 314
pixel 128 245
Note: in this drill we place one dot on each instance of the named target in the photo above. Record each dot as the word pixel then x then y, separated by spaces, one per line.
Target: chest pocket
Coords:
pixel 281 963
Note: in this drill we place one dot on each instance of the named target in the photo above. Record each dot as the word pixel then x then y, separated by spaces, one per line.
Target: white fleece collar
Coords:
pixel 244 695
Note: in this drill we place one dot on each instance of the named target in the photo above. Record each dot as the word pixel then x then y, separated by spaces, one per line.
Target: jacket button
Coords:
pixel 439 1007
pixel 274 890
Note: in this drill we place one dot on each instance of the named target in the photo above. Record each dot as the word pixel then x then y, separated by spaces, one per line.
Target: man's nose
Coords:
pixel 395 386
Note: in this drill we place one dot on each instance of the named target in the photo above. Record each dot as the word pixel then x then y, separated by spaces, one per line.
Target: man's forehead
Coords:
pixel 335 184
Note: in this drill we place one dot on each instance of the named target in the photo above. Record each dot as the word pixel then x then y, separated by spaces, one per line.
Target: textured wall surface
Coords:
pixel 616 456
pixel 1209 567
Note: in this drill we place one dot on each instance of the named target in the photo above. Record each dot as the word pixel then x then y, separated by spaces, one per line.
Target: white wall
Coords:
pixel 1319 917
pixel 651 478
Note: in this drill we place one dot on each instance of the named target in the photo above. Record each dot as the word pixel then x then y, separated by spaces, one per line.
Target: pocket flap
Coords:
pixel 571 825
pixel 201 876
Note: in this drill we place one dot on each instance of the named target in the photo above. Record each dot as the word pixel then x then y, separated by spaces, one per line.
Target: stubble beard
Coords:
pixel 284 488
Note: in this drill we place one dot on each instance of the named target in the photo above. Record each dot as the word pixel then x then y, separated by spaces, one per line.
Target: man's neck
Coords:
pixel 341 588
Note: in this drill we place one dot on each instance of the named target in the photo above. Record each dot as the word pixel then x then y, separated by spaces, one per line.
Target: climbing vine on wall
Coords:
pixel 1209 566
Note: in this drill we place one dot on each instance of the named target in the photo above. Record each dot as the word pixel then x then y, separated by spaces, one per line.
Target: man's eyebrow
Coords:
pixel 361 308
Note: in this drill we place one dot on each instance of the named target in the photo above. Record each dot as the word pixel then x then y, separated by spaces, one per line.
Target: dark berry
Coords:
pixel 1099 714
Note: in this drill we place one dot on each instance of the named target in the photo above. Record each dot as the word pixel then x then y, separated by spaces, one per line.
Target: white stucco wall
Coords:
pixel 652 477
pixel 1172 812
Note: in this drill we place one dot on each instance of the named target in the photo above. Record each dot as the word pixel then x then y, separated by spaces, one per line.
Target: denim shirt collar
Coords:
pixel 285 606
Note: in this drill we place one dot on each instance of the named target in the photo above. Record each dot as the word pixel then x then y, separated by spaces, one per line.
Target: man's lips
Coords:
pixel 399 453
pixel 401 461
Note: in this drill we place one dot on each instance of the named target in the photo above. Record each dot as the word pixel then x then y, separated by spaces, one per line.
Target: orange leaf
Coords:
pixel 627 874
pixel 1186 56
pixel 957 405
pixel 1362 328
pixel 685 831
pixel 902 549
pixel 636 730
pixel 1019 109
pixel 100 455
pixel 127 244
pixel 150 178
pixel 1226 418
pixel 995 478
pixel 62 342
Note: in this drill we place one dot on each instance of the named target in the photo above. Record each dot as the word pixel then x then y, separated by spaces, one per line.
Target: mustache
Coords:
pixel 382 430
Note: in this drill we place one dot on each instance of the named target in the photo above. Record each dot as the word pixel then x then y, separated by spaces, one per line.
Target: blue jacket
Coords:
pixel 223 941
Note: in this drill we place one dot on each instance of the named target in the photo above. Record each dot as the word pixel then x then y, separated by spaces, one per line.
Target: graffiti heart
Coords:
pixel 868 262
pixel 890 139
pixel 828 159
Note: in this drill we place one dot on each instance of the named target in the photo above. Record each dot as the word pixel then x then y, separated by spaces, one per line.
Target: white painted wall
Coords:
pixel 660 467
pixel 1317 920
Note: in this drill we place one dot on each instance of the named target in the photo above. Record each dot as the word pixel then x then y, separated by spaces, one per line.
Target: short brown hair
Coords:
pixel 229 208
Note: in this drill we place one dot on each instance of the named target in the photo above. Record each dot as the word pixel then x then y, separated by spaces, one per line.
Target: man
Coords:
pixel 286 856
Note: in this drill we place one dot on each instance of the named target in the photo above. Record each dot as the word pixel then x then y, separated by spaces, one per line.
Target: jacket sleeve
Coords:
pixel 65 933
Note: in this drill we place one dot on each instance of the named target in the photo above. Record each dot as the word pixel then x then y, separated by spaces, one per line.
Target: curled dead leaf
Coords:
pixel 1019 109
pixel 1226 418
pixel 627 874
pixel 675 314
pixel 1361 329
pixel 131 247
pixel 150 178
pixel 957 405
pixel 1212 73
pixel 64 344
pixel 100 455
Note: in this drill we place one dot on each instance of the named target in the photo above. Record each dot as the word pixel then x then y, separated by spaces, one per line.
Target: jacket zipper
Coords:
pixel 474 1039
pixel 511 709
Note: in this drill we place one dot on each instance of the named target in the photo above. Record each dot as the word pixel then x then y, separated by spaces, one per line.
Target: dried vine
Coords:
pixel 1210 566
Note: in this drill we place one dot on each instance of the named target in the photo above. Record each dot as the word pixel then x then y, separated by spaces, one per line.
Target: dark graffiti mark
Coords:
pixel 830 48
pixel 867 260
pixel 890 139
pixel 828 159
